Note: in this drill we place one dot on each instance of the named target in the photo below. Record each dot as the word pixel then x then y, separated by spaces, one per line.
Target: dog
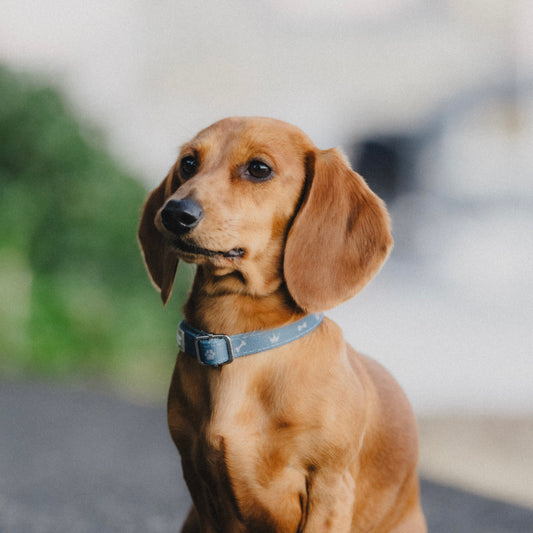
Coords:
pixel 304 434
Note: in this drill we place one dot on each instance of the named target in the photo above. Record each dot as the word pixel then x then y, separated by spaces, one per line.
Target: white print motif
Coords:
pixel 210 355
pixel 304 325
pixel 274 338
pixel 238 348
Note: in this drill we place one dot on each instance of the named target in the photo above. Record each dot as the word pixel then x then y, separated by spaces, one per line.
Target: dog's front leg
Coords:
pixel 330 504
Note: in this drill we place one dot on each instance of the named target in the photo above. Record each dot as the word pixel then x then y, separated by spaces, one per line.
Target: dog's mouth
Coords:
pixel 190 248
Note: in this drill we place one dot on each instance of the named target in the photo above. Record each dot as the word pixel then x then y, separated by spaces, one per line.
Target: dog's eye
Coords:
pixel 258 170
pixel 188 166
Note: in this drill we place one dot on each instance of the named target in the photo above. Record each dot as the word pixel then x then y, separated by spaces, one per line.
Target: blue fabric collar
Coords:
pixel 215 350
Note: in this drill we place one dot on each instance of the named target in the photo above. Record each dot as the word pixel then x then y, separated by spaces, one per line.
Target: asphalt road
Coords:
pixel 84 462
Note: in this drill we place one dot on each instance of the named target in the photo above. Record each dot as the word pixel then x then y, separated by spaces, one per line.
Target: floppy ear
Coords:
pixel 339 238
pixel 161 261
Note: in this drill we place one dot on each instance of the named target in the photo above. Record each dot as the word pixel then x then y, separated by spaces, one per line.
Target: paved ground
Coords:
pixel 81 462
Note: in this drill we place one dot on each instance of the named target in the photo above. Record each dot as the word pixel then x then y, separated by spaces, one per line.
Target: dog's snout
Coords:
pixel 181 216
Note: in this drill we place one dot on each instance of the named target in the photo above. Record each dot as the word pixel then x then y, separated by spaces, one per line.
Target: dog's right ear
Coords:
pixel 160 259
pixel 339 238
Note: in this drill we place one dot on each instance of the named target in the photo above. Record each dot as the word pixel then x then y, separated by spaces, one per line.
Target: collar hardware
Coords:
pixel 208 347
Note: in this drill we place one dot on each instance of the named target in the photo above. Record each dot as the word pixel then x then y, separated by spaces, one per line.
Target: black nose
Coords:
pixel 181 216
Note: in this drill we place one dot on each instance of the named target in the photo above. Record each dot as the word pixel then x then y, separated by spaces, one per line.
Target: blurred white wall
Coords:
pixel 451 314
pixel 152 73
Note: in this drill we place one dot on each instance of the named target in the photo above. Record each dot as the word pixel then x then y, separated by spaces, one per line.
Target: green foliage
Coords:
pixel 74 294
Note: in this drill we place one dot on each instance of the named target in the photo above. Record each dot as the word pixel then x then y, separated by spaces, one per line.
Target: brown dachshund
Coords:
pixel 308 436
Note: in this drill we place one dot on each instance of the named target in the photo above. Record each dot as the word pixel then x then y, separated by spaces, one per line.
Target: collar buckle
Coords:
pixel 213 349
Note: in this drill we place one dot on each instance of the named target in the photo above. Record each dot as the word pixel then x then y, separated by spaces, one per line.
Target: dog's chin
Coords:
pixel 191 252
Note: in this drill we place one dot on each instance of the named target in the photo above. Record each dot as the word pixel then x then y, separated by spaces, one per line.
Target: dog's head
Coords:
pixel 252 199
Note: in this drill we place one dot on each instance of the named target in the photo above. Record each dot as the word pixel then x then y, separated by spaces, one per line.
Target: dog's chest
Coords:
pixel 241 465
pixel 245 478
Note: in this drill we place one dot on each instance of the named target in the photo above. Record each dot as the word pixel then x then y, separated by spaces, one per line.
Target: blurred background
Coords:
pixel 431 101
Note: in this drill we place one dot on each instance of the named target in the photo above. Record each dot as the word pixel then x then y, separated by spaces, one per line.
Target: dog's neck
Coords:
pixel 229 305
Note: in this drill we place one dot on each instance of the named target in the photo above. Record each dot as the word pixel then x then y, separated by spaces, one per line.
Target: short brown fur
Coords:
pixel 310 436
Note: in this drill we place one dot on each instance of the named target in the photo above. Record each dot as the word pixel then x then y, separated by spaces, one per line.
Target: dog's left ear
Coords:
pixel 339 238
pixel 161 261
